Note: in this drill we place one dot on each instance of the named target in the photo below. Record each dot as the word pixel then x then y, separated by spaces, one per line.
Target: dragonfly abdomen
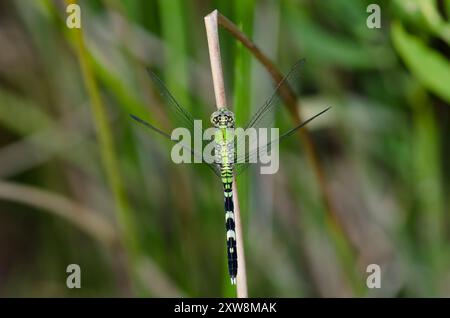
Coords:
pixel 227 180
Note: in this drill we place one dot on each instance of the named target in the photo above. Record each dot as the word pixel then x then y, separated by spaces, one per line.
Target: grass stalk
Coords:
pixel 212 32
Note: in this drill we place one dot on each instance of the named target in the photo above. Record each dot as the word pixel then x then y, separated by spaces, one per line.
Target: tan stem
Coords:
pixel 212 33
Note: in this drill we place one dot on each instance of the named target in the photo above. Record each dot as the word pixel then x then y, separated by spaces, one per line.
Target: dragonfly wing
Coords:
pixel 262 117
pixel 243 162
pixel 212 166
pixel 181 117
pixel 182 114
pixel 265 115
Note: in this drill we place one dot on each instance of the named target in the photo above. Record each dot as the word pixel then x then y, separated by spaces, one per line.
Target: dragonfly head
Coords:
pixel 222 117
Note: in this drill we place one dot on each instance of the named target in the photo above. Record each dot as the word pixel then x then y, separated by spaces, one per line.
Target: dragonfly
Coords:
pixel 228 162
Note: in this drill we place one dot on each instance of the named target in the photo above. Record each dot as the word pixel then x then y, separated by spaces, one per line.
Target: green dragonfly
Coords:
pixel 228 162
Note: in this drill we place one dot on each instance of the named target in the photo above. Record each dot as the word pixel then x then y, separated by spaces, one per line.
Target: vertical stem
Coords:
pixel 221 101
pixel 212 34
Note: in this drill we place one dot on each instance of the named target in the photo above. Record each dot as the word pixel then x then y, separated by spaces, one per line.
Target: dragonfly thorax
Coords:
pixel 223 118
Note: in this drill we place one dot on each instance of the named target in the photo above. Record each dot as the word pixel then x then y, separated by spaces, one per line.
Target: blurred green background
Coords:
pixel 83 184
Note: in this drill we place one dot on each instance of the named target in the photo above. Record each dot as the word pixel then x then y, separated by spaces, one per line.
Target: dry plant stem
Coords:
pixel 221 101
pixel 290 100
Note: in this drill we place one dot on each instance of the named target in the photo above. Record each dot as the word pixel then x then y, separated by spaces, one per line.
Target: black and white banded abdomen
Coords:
pixel 227 179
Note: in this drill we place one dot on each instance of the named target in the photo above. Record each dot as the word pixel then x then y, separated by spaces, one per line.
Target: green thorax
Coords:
pixel 224 138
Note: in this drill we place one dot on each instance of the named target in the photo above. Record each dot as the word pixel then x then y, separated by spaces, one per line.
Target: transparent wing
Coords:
pixel 178 117
pixel 264 118
pixel 213 166
pixel 251 156
pixel 184 117
pixel 265 115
